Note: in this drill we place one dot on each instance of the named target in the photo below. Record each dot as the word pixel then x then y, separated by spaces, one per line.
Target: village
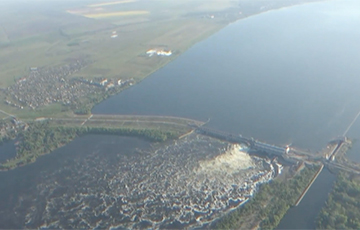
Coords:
pixel 44 86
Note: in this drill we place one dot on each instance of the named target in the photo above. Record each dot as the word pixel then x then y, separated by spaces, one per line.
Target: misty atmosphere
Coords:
pixel 169 114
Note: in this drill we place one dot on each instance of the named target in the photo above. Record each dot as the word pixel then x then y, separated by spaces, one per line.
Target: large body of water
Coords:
pixel 286 76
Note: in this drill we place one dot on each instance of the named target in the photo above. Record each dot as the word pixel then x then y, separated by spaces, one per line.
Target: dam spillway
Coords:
pixel 251 142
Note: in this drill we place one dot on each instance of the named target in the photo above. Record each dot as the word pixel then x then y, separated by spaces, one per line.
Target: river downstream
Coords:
pixel 286 77
pixel 121 182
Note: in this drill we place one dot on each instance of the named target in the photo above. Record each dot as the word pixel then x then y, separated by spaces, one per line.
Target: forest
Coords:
pixel 270 203
pixel 41 138
pixel 341 210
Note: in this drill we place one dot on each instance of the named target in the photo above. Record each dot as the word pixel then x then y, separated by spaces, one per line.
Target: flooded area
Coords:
pixel 126 182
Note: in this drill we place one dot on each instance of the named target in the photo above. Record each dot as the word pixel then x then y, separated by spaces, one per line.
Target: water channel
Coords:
pixel 285 76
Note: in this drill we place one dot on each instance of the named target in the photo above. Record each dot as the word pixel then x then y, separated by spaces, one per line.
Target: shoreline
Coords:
pixel 174 57
pixel 276 9
pixel 198 40
pixel 31 156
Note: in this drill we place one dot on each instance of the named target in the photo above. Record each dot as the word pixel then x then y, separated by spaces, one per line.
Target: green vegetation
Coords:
pixel 342 209
pixel 89 101
pixel 9 135
pixel 35 38
pixel 42 138
pixel 269 205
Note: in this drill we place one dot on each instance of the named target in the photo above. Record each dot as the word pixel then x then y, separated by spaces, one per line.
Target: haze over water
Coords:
pixel 285 76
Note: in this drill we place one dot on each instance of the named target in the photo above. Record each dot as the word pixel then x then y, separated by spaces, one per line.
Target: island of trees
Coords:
pixel 43 137
pixel 270 203
pixel 341 210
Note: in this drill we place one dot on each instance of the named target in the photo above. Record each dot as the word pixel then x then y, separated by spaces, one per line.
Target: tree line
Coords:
pixel 342 208
pixel 270 203
pixel 41 138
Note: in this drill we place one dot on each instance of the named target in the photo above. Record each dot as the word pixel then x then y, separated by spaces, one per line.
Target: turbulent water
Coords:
pixel 183 184
pixel 293 79
pixel 231 162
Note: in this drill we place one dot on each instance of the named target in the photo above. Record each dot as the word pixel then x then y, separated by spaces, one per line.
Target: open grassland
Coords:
pixel 51 33
pixel 43 37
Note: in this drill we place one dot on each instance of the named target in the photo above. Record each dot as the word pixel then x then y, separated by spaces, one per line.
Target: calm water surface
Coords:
pixel 303 216
pixel 287 76
pixel 7 151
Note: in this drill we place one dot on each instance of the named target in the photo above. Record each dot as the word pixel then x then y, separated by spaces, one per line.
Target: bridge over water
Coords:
pixel 289 154
pixel 251 142
pixel 292 155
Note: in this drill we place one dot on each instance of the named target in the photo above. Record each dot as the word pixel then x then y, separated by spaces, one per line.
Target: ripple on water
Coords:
pixel 184 184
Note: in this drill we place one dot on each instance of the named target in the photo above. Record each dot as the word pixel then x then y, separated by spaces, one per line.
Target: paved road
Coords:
pixel 7 114
pixel 179 121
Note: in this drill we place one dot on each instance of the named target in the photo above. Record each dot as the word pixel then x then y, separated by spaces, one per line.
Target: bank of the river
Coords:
pixel 87 107
pixel 43 137
pixel 179 37
pixel 269 205
pixel 342 206
pixel 7 151
pixel 260 90
pixel 304 215
pixel 341 210
pixel 248 11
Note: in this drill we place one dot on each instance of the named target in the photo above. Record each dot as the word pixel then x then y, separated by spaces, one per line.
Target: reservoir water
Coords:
pixel 285 76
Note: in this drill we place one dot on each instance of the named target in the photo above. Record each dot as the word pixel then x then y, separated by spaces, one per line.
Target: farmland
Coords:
pixel 48 35
pixel 112 37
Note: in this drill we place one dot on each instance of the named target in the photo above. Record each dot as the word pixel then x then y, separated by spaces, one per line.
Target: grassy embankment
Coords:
pixel 270 203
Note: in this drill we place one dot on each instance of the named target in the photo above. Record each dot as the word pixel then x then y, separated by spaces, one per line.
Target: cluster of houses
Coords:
pixel 44 86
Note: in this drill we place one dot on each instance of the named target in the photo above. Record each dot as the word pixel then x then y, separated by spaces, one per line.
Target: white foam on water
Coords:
pixel 232 161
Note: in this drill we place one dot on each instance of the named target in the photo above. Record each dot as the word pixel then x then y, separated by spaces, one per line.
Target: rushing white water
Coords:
pixel 232 161
pixel 185 184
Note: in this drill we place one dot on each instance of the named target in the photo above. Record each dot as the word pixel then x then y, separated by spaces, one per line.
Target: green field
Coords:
pixel 54 33
pixel 36 38
pixel 44 34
